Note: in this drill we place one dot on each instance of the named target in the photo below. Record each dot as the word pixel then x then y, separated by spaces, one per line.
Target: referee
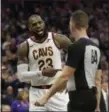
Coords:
pixel 81 71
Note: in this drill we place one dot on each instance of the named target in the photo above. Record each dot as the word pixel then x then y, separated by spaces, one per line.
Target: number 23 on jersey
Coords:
pixel 45 63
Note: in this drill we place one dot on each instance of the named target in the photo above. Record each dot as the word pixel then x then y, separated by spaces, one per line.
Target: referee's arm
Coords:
pixel 98 85
pixel 74 56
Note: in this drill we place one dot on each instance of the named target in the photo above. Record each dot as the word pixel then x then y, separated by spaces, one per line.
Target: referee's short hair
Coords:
pixel 80 19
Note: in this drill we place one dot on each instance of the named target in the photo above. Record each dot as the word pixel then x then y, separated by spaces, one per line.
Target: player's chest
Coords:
pixel 41 51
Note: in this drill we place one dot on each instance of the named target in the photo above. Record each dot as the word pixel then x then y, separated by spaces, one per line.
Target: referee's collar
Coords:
pixel 83 38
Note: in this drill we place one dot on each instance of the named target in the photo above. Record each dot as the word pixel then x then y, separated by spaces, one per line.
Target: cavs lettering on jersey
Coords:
pixel 41 56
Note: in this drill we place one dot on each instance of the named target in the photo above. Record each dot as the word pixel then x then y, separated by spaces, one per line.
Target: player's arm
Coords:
pixel 98 85
pixel 49 72
pixel 62 42
pixel 22 67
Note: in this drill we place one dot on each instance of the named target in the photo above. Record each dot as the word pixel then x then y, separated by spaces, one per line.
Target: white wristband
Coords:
pixel 25 75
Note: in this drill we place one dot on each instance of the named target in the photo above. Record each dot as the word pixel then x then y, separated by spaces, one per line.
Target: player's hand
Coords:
pixel 49 72
pixel 41 102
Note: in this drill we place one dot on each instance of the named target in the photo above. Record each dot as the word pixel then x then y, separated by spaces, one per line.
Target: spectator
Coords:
pixel 8 97
pixel 21 104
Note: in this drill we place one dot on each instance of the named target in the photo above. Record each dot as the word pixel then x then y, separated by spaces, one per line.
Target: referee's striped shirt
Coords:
pixel 83 55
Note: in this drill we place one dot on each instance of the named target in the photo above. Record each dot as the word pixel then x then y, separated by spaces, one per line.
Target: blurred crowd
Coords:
pixel 56 15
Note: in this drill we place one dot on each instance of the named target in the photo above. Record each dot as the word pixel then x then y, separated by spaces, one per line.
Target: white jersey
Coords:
pixel 43 55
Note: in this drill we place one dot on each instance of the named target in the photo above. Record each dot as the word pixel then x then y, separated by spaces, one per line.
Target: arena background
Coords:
pixel 14 15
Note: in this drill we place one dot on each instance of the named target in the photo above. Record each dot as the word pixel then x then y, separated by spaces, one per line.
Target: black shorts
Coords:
pixel 82 101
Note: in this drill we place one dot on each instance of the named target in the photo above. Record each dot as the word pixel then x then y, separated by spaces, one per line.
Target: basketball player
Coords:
pixel 36 54
pixel 81 70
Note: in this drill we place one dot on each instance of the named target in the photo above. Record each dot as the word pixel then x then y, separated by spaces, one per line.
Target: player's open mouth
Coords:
pixel 40 31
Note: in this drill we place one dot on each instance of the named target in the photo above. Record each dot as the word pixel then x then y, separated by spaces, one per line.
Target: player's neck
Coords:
pixel 81 34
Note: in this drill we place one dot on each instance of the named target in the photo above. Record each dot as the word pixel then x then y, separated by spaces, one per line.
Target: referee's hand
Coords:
pixel 41 102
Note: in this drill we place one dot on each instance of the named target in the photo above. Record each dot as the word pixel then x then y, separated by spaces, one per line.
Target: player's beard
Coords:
pixel 39 36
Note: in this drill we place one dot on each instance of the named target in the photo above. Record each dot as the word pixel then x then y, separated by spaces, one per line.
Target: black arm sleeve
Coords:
pixel 75 55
